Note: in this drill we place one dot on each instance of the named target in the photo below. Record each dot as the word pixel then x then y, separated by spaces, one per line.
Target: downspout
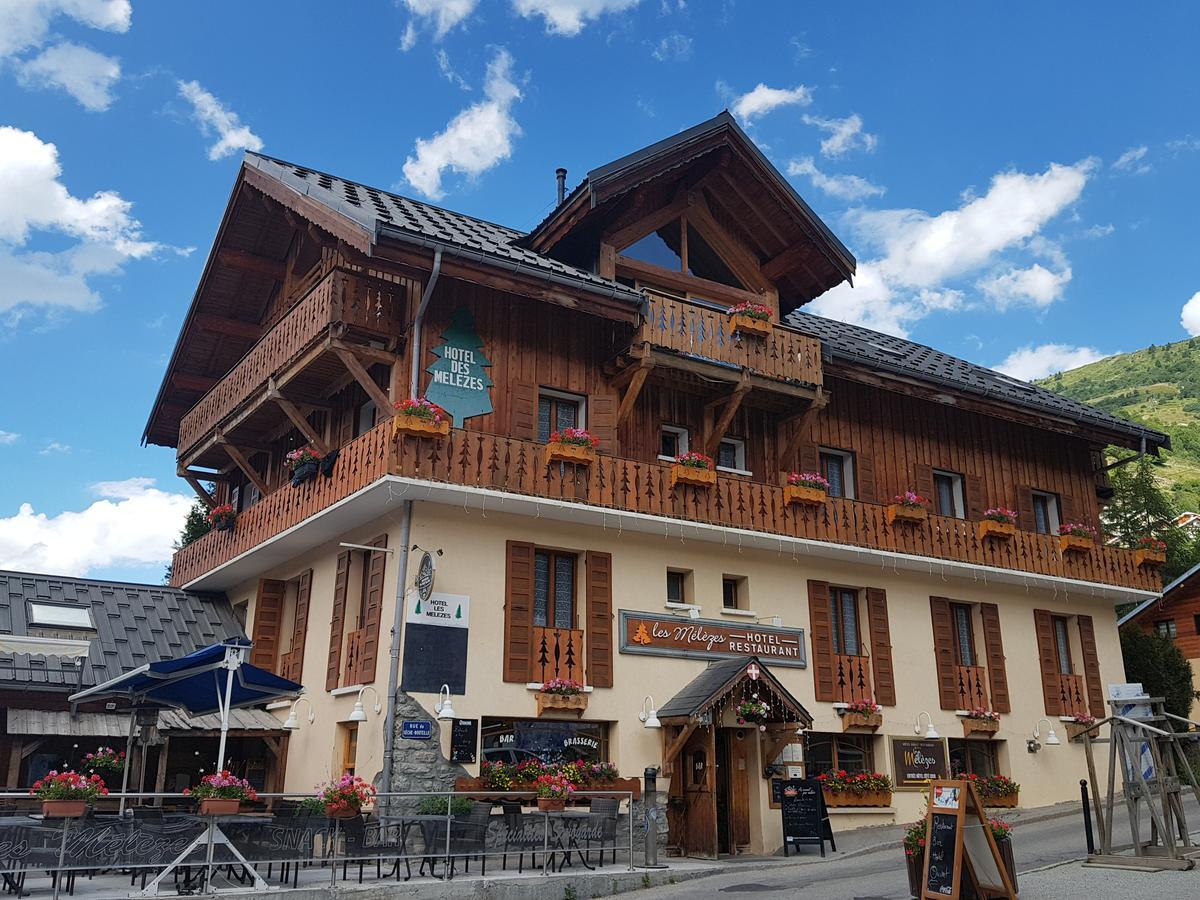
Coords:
pixel 389 723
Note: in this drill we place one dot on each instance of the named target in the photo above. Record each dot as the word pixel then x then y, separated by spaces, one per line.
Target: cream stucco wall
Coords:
pixel 474 564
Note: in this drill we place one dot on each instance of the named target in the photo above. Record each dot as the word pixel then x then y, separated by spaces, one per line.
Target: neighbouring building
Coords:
pixel 324 302
pixel 1175 615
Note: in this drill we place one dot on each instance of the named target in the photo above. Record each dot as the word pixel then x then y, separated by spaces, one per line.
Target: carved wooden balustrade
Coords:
pixel 971 685
pixel 557 653
pixel 1071 696
pixel 851 678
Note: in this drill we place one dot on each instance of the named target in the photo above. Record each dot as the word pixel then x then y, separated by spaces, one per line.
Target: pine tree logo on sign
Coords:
pixel 460 385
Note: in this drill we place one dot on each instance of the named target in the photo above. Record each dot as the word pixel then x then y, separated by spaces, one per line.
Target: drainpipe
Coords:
pixel 389 722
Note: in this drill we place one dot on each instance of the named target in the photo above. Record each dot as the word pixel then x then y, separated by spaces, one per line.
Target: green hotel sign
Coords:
pixel 460 385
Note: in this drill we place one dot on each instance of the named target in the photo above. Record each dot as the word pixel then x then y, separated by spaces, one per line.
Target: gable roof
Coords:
pixel 134 624
pixel 717 679
pixel 1185 582
pixel 872 349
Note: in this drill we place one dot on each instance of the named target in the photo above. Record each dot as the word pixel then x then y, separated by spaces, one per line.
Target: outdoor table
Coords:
pixel 571 820
pixel 428 834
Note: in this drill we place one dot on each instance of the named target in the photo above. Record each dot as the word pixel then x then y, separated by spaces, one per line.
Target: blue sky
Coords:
pixel 1018 182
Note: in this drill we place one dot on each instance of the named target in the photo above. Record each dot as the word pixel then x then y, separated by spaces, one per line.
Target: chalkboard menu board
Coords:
pixel 805 820
pixel 942 852
pixel 464 738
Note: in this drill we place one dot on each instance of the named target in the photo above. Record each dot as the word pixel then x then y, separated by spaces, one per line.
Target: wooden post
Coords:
pixel 160 777
pixel 15 756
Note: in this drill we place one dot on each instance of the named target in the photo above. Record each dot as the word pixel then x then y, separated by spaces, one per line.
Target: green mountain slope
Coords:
pixel 1160 387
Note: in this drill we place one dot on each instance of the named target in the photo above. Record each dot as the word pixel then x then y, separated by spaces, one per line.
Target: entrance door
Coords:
pixel 733 789
pixel 699 768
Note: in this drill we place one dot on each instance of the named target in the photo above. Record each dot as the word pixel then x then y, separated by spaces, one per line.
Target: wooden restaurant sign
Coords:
pixel 653 635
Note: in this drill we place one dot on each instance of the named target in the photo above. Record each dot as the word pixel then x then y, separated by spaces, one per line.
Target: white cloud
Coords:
pixel 8 438
pixel 675 47
pixel 1131 161
pixel 441 15
pixel 83 73
pixel 1035 285
pixel 55 447
pixel 1189 316
pixel 844 135
pixel 214 117
pixel 132 524
pixel 568 17
pixel 1100 231
pixel 1185 144
pixel 764 99
pixel 448 71
pixel 844 187
pixel 478 138
pixel 25 23
pixel 1032 362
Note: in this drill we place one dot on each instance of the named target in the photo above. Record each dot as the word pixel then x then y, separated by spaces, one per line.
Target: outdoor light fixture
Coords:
pixel 773 621
pixel 291 723
pixel 1052 740
pixel 444 709
pixel 930 732
pixel 649 715
pixel 358 714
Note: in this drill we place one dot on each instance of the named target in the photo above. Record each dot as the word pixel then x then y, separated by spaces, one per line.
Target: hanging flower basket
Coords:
pixel 223 517
pixel 575 703
pixel 304 464
pixel 751 319
pixel 694 469
pixel 572 445
pixel 907 507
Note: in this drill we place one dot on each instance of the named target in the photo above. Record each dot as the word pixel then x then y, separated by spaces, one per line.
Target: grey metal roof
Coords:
pixel 116 725
pixel 864 347
pixel 134 624
pixel 714 680
pixel 1185 579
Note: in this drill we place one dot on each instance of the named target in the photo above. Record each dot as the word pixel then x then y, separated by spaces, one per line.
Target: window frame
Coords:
pixel 1166 628
pixel 1067 666
pixel 739 456
pixel 1053 510
pixel 734 582
pixel 66 607
pixel 863 742
pixel 551 593
pixel 966 609
pixel 349 747
pixel 957 490
pixel 682 575
pixel 554 394
pixel 682 441
pixel 969 748
pixel 849 470
pixel 837 630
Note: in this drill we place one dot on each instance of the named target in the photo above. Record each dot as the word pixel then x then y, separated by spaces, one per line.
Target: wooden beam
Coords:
pixel 731 405
pixel 200 475
pixel 226 326
pixel 366 352
pixel 801 428
pixel 606 267
pixel 187 382
pixel 716 371
pixel 629 398
pixel 302 424
pixel 674 746
pixel 249 262
pixel 775 267
pixel 638 229
pixel 15 756
pixel 205 497
pixel 711 290
pixel 741 260
pixel 383 403
pixel 242 463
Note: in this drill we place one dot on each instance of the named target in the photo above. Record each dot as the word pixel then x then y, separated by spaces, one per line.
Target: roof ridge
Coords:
pixel 6 573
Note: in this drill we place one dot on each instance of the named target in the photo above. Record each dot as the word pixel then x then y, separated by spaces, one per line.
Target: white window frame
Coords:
pixel 739 455
pixel 960 506
pixel 1051 509
pixel 48 619
pixel 681 437
pixel 580 399
pixel 848 472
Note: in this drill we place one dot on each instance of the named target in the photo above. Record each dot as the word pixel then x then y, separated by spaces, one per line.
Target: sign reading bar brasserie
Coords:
pixel 702 639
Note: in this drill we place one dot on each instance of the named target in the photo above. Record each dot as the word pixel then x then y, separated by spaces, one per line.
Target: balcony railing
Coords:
pixel 355 646
pixel 851 678
pixel 557 653
pixel 1072 698
pixel 971 685
pixel 703 332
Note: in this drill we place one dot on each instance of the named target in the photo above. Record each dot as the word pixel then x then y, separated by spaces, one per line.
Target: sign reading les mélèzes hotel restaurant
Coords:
pixel 652 635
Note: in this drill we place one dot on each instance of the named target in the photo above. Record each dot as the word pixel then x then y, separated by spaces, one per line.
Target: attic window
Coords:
pixel 49 615
pixel 659 248
pixel 703 261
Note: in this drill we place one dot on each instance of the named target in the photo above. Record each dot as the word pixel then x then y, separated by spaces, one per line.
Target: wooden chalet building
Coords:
pixel 325 301
pixel 1175 615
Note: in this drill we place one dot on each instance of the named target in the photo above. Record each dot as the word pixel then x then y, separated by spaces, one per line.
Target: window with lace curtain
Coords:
pixel 843 620
pixel 553 589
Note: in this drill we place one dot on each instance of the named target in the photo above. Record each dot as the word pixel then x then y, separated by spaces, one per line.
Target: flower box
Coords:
pixel 414 426
pixel 749 325
pixel 806 496
pixel 1151 559
pixel 1007 801
pixel 897 512
pixel 220 806
pixel 346 812
pixel 861 720
pixel 1075 729
pixel 1074 543
pixel 1001 531
pixel 979 726
pixel 578 454
pixel 575 703
pixel 867 798
pixel 681 474
pixel 63 809
pixel 551 804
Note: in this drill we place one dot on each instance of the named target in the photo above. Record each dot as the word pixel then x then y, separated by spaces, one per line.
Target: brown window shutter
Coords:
pixel 1048 660
pixel 881 647
pixel 523 401
pixel 295 657
pixel 809 457
pixel 599 619
pixel 943 652
pixel 375 566
pixel 1026 519
pixel 337 622
pixel 1091 666
pixel 602 421
pixel 975 501
pixel 993 649
pixel 923 482
pixel 1068 509
pixel 864 479
pixel 822 639
pixel 518 612
pixel 268 609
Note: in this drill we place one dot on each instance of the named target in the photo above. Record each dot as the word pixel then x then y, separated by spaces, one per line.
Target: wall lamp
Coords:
pixel 930 732
pixel 291 723
pixel 649 715
pixel 358 714
pixel 1033 746
pixel 443 708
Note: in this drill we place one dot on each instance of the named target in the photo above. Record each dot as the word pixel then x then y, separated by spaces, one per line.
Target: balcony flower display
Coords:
pixel 572 445
pixel 500 776
pixel 304 463
pixel 907 507
pixel 864 713
pixel 751 318
pixel 222 793
pixel 222 517
pixel 693 468
pixel 562 693
pixel 66 795
pixel 1076 537
pixel 420 418
pixel 553 792
pixel 345 798
pixel 1150 552
pixel 859 789
pixel 998 522
pixel 105 760
pixel 1078 724
pixel 806 488
pixel 980 720
pixel 753 712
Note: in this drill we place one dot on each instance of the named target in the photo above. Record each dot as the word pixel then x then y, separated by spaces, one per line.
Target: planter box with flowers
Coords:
pixel 1076 537
pixel 861 714
pixel 980 721
pixel 304 463
pixel 995 790
pixel 753 712
pixel 222 518
pixel 498 777
pixel 222 793
pixel 998 523
pixel 907 507
pixel 562 693
pixel 66 795
pixel 572 445
pixel 553 792
pixel 420 418
pixel 860 789
pixel 693 468
pixel 914 851
pixel 807 488
pixel 750 318
pixel 1150 552
pixel 1077 725
pixel 346 797
pixel 105 762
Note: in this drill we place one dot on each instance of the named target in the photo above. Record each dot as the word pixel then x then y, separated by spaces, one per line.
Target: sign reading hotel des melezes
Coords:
pixel 460 385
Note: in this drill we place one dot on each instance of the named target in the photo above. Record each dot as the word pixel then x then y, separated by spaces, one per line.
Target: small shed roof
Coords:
pixel 721 678
pixel 55 721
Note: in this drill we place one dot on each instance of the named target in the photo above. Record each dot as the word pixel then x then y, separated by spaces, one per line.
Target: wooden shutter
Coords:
pixel 993 650
pixel 1091 666
pixel 974 500
pixel 299 626
pixel 1068 510
pixel 602 421
pixel 822 640
pixel 518 612
pixel 523 403
pixel 1026 518
pixel 268 609
pixel 881 647
pixel 1044 626
pixel 923 483
pixel 864 479
pixel 373 570
pixel 337 622
pixel 943 652
pixel 599 619
pixel 809 457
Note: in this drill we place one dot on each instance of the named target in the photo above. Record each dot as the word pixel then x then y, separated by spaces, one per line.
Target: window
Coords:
pixel 733 592
pixel 972 757
pixel 553 589
pixel 1166 628
pixel 672 442
pixel 1045 512
pixel 557 411
pixel 704 262
pixel 676 586
pixel 659 248
pixel 852 752
pixel 837 466
pixel 240 611
pixel 948 491
pixel 551 741
pixel 56 616
pixel 364 418
pixel 964 636
pixel 1196 623
pixel 731 455
pixel 843 616
pixel 1062 646
pixel 349 746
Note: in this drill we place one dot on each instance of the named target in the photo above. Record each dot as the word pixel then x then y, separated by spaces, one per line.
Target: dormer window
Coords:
pixel 54 615
pixel 678 246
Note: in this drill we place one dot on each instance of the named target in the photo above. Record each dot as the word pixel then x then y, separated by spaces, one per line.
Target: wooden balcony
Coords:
pixel 1072 697
pixel 557 653
pixel 971 684
pixel 851 678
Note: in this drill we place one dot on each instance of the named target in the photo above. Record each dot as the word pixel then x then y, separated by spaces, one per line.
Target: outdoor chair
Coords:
pixel 522 833
pixel 602 826
pixel 370 840
pixel 468 839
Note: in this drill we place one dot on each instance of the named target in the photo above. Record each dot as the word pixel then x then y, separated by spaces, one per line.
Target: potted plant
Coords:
pixel 496 775
pixel 753 712
pixel 751 318
pixel 420 418
pixel 457 807
pixel 914 851
pixel 222 793
pixel 1150 552
pixel 304 463
pixel 600 774
pixel 562 693
pixel 1076 537
pixel 907 507
pixel 980 721
pixel 806 487
pixel 1077 725
pixel 345 798
pixel 105 761
pixel 693 468
pixel 66 795
pixel 998 790
pixel 223 517
pixel 860 789
pixel 573 445
pixel 553 792
pixel 861 714
pixel 998 523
